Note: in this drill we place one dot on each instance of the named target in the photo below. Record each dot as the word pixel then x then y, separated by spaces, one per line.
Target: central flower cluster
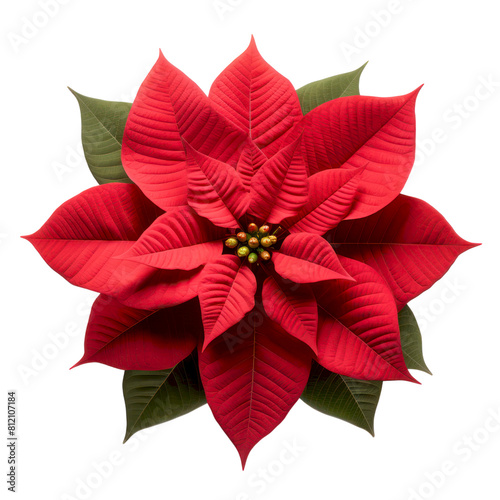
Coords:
pixel 253 244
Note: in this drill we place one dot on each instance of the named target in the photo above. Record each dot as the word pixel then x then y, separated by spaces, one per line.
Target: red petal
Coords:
pixel 251 159
pixel 279 188
pixel 331 194
pixel 170 106
pixel 258 99
pixel 83 238
pixel 215 190
pixel 293 307
pixel 179 239
pixel 252 377
pixel 82 235
pixel 308 258
pixel 134 339
pixel 226 293
pixel 162 288
pixel 408 242
pixel 358 333
pixel 351 131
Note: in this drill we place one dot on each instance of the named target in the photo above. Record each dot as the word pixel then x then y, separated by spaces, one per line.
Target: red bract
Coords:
pixel 265 238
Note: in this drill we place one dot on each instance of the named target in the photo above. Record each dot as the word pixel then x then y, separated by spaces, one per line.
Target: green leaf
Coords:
pixel 316 93
pixel 354 401
pixel 103 123
pixel 411 341
pixel 154 397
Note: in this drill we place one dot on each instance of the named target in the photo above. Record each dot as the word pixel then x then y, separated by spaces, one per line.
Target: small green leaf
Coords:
pixel 103 123
pixel 316 93
pixel 154 397
pixel 411 341
pixel 354 401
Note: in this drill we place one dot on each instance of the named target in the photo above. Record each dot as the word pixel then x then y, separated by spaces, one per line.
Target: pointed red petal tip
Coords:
pixel 467 244
pixel 252 47
pixel 186 145
pixel 411 378
pixel 192 153
pixel 243 458
pixel 415 92
pixel 162 60
pixel 79 363
pixel 206 343
pixel 32 236
pixel 189 150
pixel 472 245
pixel 348 277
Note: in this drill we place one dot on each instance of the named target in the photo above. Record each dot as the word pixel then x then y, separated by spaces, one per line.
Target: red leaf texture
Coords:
pixel 357 131
pixel 358 333
pixel 169 108
pixel 179 239
pixel 408 242
pixel 308 258
pixel 252 376
pixel 135 339
pixel 293 307
pixel 331 194
pixel 215 190
pixel 279 188
pixel 83 235
pixel 226 293
pixel 257 99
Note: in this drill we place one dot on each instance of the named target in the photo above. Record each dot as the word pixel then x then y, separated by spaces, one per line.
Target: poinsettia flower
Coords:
pixel 264 238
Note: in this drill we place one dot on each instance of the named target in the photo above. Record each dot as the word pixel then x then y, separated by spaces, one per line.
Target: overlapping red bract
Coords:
pixel 331 179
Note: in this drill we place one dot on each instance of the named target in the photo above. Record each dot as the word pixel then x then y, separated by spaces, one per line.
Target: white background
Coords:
pixel 69 421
